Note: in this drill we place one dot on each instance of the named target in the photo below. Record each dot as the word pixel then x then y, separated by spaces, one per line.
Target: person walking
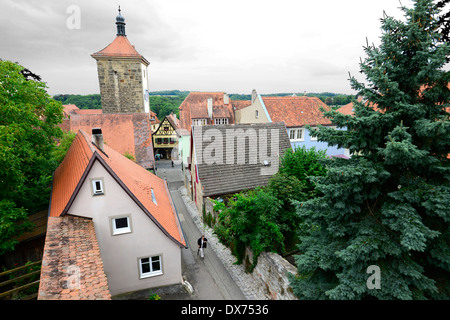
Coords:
pixel 201 245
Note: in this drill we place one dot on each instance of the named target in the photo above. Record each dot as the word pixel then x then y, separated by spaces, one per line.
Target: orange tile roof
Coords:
pixel 68 109
pixel 296 111
pixel 120 47
pixel 125 133
pixel 195 106
pixel 71 241
pixel 346 109
pixel 135 179
pixel 69 173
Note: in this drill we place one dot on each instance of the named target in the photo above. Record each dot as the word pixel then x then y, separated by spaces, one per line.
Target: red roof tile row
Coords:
pixel 195 106
pixel 296 111
pixel 72 268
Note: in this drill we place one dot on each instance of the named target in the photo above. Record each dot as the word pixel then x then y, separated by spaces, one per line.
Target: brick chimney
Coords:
pixel 210 107
pixel 97 138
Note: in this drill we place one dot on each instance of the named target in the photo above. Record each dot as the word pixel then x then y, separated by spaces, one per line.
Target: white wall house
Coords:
pixel 136 224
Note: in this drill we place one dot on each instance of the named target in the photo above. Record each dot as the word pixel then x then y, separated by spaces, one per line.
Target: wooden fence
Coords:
pixel 18 284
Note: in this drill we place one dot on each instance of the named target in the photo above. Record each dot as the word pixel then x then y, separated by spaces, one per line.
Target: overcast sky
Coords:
pixel 198 45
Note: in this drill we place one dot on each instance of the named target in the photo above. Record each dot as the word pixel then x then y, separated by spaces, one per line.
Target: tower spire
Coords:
pixel 120 22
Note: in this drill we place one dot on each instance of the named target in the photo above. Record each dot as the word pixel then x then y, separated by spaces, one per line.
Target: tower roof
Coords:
pixel 121 46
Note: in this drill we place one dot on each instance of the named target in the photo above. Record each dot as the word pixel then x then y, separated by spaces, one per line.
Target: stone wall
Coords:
pixel 121 85
pixel 270 275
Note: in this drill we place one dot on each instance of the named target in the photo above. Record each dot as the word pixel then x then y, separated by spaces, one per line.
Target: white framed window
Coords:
pixel 256 113
pixel 150 266
pixel 221 121
pixel 120 225
pixel 296 134
pixel 199 122
pixel 97 187
pixel 313 138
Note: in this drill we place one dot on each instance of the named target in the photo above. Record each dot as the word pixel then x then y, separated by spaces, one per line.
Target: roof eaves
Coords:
pixel 80 183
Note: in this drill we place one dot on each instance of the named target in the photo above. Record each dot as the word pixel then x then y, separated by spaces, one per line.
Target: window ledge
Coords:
pixel 149 275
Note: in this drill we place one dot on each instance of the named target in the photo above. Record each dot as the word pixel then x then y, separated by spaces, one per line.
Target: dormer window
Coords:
pixel 221 121
pixel 97 187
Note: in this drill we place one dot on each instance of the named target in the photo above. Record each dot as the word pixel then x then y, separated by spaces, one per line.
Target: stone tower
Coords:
pixel 123 75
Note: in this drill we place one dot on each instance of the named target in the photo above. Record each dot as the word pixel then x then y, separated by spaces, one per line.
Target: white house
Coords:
pixel 136 224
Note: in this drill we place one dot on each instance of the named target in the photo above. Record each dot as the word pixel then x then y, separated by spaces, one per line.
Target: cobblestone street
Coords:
pixel 215 277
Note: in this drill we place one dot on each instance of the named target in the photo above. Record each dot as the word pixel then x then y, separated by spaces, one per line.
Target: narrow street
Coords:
pixel 208 276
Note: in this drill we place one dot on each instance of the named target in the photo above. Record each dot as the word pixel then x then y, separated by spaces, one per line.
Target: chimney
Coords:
pixel 97 138
pixel 254 95
pixel 226 99
pixel 210 107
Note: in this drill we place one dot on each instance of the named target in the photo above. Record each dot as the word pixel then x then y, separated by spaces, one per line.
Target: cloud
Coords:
pixel 233 46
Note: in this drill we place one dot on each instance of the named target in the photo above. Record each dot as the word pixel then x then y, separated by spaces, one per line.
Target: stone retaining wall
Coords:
pixel 270 274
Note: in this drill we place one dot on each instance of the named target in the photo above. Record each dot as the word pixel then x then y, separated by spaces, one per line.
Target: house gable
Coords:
pixel 85 179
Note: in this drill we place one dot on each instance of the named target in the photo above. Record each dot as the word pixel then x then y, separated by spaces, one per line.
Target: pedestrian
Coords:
pixel 201 245
pixel 172 163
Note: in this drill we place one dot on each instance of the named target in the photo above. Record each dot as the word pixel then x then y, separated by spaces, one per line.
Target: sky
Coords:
pixel 233 46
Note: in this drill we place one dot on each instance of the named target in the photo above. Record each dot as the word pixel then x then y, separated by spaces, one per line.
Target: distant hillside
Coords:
pixel 331 99
pixel 167 101
pixel 90 101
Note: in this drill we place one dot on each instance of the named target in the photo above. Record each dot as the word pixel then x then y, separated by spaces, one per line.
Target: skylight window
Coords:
pixel 153 197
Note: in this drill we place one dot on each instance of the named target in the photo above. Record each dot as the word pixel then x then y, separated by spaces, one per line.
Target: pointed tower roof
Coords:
pixel 121 46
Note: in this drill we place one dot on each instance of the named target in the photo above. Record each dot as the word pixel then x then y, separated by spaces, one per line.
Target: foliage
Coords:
pixel 89 101
pixel 129 156
pixel 389 204
pixel 28 126
pixel 327 97
pixel 154 296
pixel 61 149
pixel 265 219
pixel 12 223
pixel 302 164
pixel 165 105
pixel 250 220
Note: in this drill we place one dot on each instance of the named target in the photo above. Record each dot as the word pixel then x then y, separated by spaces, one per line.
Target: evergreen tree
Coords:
pixel 389 204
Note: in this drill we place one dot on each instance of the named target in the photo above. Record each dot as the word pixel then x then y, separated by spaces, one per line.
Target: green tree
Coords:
pixel 60 151
pixel 28 126
pixel 389 204
pixel 250 219
pixel 302 164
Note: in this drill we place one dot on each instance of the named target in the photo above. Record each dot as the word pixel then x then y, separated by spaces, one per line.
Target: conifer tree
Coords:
pixel 389 205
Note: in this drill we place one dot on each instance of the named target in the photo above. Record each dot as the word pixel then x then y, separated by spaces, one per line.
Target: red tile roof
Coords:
pixel 125 133
pixel 71 242
pixel 296 111
pixel 120 47
pixel 346 109
pixel 68 109
pixel 195 106
pixel 135 180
